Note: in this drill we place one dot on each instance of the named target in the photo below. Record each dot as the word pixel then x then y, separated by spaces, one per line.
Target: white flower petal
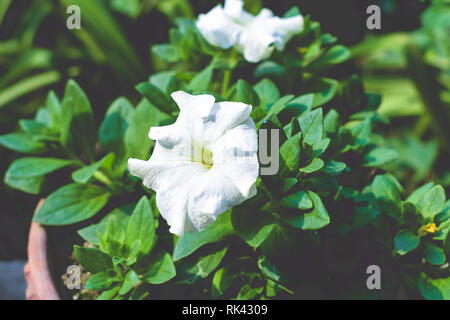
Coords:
pixel 169 180
pixel 235 156
pixel 218 29
pixel 211 194
pixel 205 120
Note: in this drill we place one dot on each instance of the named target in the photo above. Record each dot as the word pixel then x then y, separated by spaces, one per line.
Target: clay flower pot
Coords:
pixel 40 285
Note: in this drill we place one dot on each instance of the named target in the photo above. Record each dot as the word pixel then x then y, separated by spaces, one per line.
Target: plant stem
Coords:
pixel 226 81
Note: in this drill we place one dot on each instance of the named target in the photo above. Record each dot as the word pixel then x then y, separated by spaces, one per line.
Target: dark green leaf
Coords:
pixel 92 259
pixel 72 203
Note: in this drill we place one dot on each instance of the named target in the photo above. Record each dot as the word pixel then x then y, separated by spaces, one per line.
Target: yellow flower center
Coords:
pixel 207 159
pixel 428 228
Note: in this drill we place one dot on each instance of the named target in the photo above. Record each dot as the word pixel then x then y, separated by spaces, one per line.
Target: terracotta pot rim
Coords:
pixel 40 284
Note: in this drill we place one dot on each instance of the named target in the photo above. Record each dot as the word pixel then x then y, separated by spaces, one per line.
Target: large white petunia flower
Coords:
pixel 203 164
pixel 254 36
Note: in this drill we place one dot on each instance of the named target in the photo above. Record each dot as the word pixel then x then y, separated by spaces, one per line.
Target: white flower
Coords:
pixel 254 36
pixel 203 164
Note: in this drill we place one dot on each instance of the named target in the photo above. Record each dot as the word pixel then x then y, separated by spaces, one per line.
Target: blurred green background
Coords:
pixel 407 62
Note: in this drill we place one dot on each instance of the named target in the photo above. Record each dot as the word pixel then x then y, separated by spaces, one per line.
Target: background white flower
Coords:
pixel 203 164
pixel 254 36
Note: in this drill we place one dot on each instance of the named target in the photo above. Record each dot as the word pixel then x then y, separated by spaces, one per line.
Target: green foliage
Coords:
pixel 333 203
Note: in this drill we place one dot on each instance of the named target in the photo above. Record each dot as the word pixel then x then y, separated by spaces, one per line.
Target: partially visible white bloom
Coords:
pixel 254 36
pixel 203 164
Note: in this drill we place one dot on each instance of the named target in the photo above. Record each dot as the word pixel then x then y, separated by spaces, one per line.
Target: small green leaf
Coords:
pixel 312 126
pixel 216 232
pixel 166 52
pixel 156 97
pixel 221 282
pixel 246 94
pixel 130 281
pixel 290 153
pixel 21 142
pixel 267 92
pixel 161 269
pixel 33 167
pixel 325 90
pixel 298 200
pixel 137 143
pixel 315 165
pixel 433 202
pixel 434 289
pixel 379 156
pixel 252 226
pixel 193 270
pixel 316 219
pixel 92 259
pixel 141 226
pixel 72 203
pixel 114 126
pixel 77 123
pixel 334 167
pixel 201 81
pixel 247 292
pixel 433 254
pixel 100 281
pixel 83 175
pixel 405 241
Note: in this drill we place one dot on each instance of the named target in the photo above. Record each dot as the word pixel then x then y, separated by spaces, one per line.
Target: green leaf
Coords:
pixel 221 282
pixel 34 167
pixel 335 55
pixel 312 126
pixel 247 292
pixel 130 281
pixel 269 270
pixel 290 153
pixel 405 241
pixel 166 52
pixel 325 90
pixel 279 105
pixel 83 175
pixel 100 281
pixel 77 123
pixel 92 259
pixel 267 92
pixel 114 126
pixel 201 81
pixel 253 226
pixel 433 254
pixel 246 94
pixel 316 219
pixel 161 269
pixel 418 195
pixel 193 270
pixel 109 294
pixel 298 200
pixel 90 233
pixel 216 232
pixel 315 165
pixel 21 142
pixel 433 202
pixel 434 289
pixel 361 133
pixel 137 142
pixel 72 203
pixel 334 167
pixel 31 185
pixel 141 226
pixel 379 156
pixel 386 187
pixel 156 97
pixel 331 122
